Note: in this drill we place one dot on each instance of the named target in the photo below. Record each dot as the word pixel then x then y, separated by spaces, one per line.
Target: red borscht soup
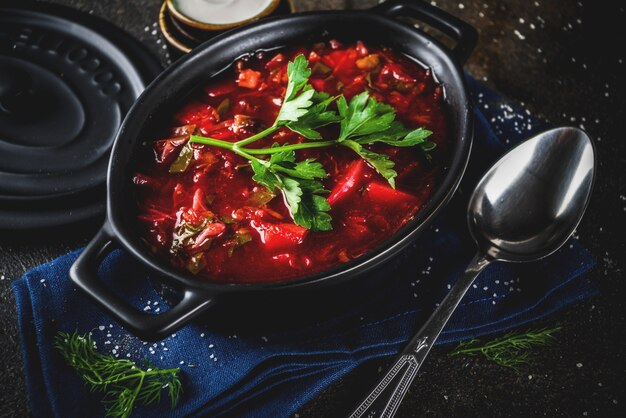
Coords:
pixel 292 162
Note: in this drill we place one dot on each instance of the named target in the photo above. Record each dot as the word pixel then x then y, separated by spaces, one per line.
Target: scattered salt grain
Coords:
pixel 579 365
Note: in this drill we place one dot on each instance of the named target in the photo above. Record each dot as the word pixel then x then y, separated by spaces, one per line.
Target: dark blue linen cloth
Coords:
pixel 272 373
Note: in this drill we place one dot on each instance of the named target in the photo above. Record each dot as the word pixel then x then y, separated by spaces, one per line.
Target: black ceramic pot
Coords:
pixel 375 26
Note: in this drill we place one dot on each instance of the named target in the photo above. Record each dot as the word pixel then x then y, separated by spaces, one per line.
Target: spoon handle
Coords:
pixel 384 399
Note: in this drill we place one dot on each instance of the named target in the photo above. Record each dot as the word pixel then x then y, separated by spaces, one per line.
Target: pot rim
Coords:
pixel 346 271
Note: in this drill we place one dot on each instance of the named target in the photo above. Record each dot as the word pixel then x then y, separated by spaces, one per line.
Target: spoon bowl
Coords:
pixel 523 209
pixel 529 203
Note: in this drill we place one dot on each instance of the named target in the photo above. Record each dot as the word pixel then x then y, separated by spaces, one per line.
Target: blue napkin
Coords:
pixel 272 373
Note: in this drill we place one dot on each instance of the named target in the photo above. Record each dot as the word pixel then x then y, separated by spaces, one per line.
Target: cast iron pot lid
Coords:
pixel 66 81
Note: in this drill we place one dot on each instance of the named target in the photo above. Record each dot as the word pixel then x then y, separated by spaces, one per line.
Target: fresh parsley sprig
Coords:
pixel 124 383
pixel 362 121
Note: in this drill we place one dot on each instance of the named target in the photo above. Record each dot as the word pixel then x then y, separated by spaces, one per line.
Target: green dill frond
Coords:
pixel 123 382
pixel 512 350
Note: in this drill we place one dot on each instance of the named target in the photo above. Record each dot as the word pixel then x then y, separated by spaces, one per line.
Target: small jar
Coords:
pixel 187 23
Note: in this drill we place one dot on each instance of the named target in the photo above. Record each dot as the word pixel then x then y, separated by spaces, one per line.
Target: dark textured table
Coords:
pixel 544 54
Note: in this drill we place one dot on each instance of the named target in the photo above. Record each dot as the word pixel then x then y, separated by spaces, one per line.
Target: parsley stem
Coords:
pixel 211 141
pixel 223 144
pixel 257 136
pixel 291 147
pixel 249 153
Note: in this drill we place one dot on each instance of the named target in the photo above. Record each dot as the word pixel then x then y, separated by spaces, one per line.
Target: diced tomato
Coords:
pixel 279 236
pixel 348 184
pixel 276 62
pixel 343 63
pixel 249 79
pixel 383 194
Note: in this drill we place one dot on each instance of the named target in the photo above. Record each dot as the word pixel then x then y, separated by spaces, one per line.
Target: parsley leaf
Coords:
pixel 298 73
pixel 364 115
pixel 313 210
pixel 317 116
pixel 298 95
pixel 299 185
pixel 399 136
pixel 380 162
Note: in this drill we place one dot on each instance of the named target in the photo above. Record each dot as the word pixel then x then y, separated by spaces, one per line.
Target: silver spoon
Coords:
pixel 523 209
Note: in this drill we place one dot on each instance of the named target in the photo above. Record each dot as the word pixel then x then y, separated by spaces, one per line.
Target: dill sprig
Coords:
pixel 124 383
pixel 512 350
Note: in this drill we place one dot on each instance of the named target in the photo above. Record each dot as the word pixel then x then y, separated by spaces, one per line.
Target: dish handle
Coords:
pixel 462 33
pixel 149 327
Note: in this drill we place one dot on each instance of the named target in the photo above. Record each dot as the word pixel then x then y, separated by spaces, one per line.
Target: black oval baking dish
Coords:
pixel 375 26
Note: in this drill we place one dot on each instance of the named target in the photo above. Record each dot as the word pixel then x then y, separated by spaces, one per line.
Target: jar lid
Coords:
pixel 66 81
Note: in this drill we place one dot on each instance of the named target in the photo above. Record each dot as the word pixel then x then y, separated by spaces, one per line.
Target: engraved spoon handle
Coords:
pixel 385 398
